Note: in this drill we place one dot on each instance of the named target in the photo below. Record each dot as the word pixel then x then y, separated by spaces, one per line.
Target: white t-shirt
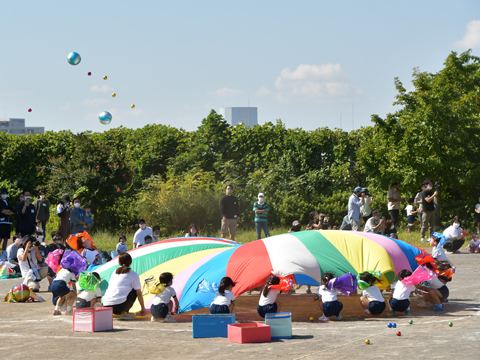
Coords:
pixel 327 295
pixel 224 300
pixel 473 243
pixel 270 298
pixel 435 283
pixel 139 237
pixel 409 210
pixel 120 286
pixel 89 295
pixel 451 232
pixel 366 209
pixel 165 296
pixel 65 275
pixel 418 200
pixel 373 293
pixel 370 226
pixel 123 248
pixel 402 291
pixel 32 256
pixel 438 254
pixel 393 193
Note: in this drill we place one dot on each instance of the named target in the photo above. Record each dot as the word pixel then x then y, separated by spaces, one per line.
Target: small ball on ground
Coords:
pixel 450 324
pixel 410 322
pixel 312 318
pixel 367 341
pixel 399 333
pixel 390 325
pixel 394 325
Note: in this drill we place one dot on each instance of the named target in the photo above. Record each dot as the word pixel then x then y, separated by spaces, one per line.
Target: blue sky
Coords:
pixel 303 62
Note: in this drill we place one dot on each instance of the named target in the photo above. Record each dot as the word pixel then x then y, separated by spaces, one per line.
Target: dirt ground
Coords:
pixel 30 330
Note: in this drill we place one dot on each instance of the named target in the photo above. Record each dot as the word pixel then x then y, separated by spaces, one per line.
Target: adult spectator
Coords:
pixel 366 208
pixel 355 202
pixel 57 242
pixel 428 208
pixel 123 289
pixel 12 252
pixel 230 213
pixel 139 237
pixel 261 210
pixel 29 258
pixel 63 212
pixel 296 227
pixel 6 213
pixel 156 233
pixel 77 218
pixel 42 209
pixel 345 224
pixel 26 215
pixel 21 198
pixel 192 231
pixel 375 224
pixel 454 236
pixel 88 216
pixel 394 199
pixel 418 201
pixel 477 215
pixel 313 224
pixel 390 229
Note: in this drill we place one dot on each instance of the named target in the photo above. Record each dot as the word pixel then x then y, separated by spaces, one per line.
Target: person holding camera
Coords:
pixel 428 208
pixel 394 199
pixel 29 257
pixel 26 215
pixel 375 224
pixel 355 202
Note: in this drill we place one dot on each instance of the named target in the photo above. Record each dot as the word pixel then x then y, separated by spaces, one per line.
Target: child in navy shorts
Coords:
pixel 372 299
pixel 161 304
pixel 328 299
pixel 224 300
pixel 411 217
pixel 267 303
pixel 400 299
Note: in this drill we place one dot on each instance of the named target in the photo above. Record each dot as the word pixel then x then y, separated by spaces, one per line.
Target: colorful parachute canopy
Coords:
pixel 306 255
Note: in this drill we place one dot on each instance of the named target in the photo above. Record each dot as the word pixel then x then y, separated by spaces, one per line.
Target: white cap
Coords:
pixel 261 194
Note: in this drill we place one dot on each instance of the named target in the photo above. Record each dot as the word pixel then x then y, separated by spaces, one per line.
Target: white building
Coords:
pixel 17 127
pixel 235 115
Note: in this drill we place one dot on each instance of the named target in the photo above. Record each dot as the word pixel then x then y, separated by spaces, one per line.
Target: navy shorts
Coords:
pixel 411 219
pixel 219 309
pixel 376 307
pixel 82 304
pixel 444 291
pixel 159 311
pixel 267 309
pixel 59 288
pixel 399 305
pixel 331 308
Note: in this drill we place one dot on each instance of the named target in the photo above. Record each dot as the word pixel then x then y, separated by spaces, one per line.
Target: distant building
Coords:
pixel 17 127
pixel 236 115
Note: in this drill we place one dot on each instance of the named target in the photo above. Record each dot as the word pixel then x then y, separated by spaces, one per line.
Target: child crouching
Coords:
pixel 162 305
pixel 372 299
pixel 400 299
pixel 61 292
pixel 328 299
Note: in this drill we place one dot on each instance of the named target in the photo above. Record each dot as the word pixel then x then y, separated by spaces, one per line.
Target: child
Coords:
pixel 436 292
pixel 88 216
pixel 328 303
pixel 474 245
pixel 437 252
pixel 400 299
pixel 148 240
pixel 122 247
pixel 224 300
pixel 60 291
pixel 411 218
pixel 88 298
pixel 162 305
pixel 371 300
pixel 267 303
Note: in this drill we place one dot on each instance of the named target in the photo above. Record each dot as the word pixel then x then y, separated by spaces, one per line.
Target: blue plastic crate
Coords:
pixel 280 325
pixel 211 325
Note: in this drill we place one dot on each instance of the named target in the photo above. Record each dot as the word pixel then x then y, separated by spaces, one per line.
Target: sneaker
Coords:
pixel 438 307
pixel 339 317
pixel 308 291
pixel 422 240
pixel 323 318
pixel 56 312
pixel 169 319
pixel 408 312
pixel 127 316
pixel 391 312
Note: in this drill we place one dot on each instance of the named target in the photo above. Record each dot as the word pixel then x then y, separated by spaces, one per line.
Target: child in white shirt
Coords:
pixel 474 245
pixel 88 298
pixel 267 303
pixel 161 304
pixel 411 218
pixel 122 247
pixel 437 252
pixel 435 293
pixel 400 299
pixel 61 291
pixel 224 300
pixel 328 299
pixel 372 299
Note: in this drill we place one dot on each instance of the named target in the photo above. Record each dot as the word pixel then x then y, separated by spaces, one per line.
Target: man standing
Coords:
pixel 261 210
pixel 356 200
pixel 42 209
pixel 428 206
pixel 394 200
pixel 6 212
pixel 139 237
pixel 26 215
pixel 229 212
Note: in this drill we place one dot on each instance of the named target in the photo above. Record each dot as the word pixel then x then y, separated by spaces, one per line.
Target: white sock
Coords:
pixel 408 309
pixel 69 308
pixel 57 308
pixel 367 311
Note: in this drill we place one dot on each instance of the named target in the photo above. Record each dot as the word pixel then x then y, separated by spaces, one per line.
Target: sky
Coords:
pixel 309 63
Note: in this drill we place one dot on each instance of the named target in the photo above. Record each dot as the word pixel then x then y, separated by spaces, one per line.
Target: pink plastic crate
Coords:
pixel 249 333
pixel 93 319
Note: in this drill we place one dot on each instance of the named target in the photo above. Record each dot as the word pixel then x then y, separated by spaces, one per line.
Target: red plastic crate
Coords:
pixel 249 333
pixel 93 319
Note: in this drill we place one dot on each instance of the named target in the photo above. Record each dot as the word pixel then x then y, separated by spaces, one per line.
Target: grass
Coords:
pixel 107 241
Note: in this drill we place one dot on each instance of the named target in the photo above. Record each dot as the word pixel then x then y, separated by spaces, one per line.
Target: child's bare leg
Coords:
pixel 364 302
pixel 231 307
pixel 388 303
pixel 60 301
pixel 435 296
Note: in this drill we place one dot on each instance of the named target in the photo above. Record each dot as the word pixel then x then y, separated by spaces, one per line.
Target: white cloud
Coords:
pixel 472 36
pixel 94 102
pixel 103 88
pixel 263 91
pixel 226 92
pixel 314 83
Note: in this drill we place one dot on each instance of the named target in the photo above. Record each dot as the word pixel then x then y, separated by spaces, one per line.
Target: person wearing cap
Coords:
pixel 375 224
pixel 26 215
pixel 63 212
pixel 229 212
pixel 296 226
pixel 139 237
pixel 42 209
pixel 261 210
pixel 394 199
pixel 6 212
pixel 29 258
pixel 355 202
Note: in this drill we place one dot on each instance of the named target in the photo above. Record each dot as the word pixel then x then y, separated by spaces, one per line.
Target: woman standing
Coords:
pixel 123 289
pixel 63 212
pixel 42 210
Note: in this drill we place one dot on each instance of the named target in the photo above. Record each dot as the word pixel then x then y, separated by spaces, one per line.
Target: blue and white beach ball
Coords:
pixel 74 58
pixel 105 117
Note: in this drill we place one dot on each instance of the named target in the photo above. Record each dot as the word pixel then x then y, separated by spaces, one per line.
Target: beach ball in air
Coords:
pixel 74 58
pixel 132 106
pixel 113 95
pixel 105 117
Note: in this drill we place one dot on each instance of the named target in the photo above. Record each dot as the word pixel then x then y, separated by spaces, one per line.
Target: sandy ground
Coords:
pixel 30 330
